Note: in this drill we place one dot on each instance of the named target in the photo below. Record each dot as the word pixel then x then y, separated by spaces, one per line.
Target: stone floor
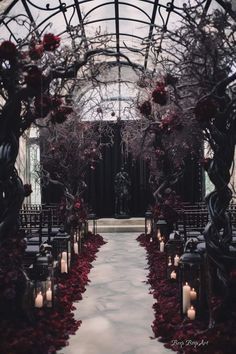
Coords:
pixel 116 310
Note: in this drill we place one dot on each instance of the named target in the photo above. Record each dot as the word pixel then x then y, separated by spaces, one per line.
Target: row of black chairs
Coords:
pixel 192 220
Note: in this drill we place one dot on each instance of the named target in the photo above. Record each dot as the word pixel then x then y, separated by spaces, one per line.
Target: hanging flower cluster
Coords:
pixel 146 108
pixel 170 121
pixel 159 94
pixel 49 43
pixel 8 51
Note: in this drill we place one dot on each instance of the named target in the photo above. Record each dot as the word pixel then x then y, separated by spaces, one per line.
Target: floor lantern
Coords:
pixel 173 249
pixel 42 277
pixel 93 219
pixel 160 233
pixel 191 280
pixel 61 250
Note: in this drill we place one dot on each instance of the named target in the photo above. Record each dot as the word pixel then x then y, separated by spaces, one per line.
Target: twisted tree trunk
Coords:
pixel 218 233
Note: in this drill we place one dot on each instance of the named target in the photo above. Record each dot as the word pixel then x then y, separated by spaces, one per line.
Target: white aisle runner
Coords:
pixel 116 310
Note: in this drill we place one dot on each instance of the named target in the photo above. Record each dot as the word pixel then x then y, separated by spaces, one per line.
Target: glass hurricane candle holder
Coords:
pixel 191 274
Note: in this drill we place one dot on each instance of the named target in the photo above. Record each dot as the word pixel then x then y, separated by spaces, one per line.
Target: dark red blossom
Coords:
pixel 146 108
pixel 27 189
pixel 206 109
pixel 35 78
pixel 36 52
pixel 60 115
pixel 8 51
pixel 171 121
pixel 51 42
pixel 44 104
pixel 159 94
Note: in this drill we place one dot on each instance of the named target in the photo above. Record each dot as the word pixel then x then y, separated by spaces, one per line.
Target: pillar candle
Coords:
pixel 49 294
pixel 39 300
pixel 193 294
pixel 176 261
pixel 64 256
pixel 162 246
pixel 173 274
pixel 186 297
pixel 169 261
pixel 76 248
pixel 159 234
pixel 63 266
pixel 191 313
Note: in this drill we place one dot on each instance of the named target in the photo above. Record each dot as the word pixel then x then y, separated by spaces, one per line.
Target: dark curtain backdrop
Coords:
pixel 100 194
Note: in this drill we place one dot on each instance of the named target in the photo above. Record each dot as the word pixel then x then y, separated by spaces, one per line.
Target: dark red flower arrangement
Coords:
pixel 60 115
pixel 182 335
pixel 44 104
pixel 169 209
pixel 8 51
pixel 159 94
pixel 36 51
pixel 35 78
pixel 171 121
pixel 51 42
pixel 51 329
pixel 146 108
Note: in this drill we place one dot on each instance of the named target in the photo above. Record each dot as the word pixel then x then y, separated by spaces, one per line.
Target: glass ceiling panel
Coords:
pixel 128 27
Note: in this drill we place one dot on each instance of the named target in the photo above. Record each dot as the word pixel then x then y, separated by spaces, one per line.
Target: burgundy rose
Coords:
pixel 77 205
pixel 44 104
pixel 206 109
pixel 51 42
pixel 27 189
pixel 60 115
pixel 34 77
pixel 8 50
pixel 36 52
pixel 159 94
pixel 146 108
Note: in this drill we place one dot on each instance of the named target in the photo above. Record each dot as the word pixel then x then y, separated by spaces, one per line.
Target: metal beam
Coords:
pixel 154 12
pixel 77 6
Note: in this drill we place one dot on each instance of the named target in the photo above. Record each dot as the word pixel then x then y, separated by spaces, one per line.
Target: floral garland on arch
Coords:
pixel 52 327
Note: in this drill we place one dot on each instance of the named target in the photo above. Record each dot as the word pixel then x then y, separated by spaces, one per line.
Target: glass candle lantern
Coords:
pixel 61 249
pixel 93 220
pixel 173 249
pixel 42 277
pixel 160 232
pixel 148 223
pixel 191 280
